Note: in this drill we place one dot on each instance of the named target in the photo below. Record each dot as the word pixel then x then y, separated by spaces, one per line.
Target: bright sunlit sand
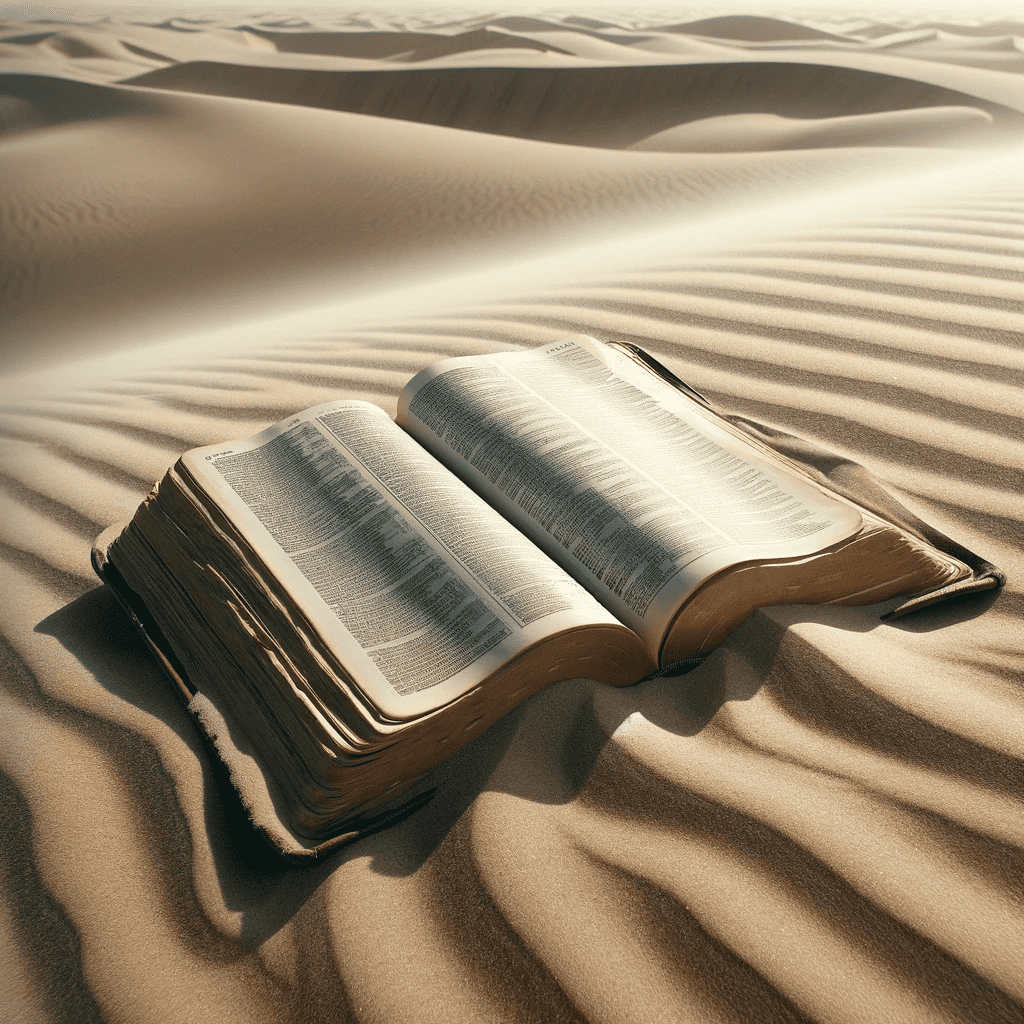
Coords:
pixel 214 218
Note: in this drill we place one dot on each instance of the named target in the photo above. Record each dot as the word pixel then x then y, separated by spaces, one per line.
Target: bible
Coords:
pixel 345 600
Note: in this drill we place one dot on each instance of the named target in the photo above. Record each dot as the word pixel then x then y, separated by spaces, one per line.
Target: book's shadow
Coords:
pixel 156 756
pixel 542 752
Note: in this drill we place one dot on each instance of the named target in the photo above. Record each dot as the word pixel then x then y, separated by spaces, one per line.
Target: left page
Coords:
pixel 417 584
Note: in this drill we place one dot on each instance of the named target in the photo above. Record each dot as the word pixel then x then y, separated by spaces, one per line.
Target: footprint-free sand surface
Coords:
pixel 212 221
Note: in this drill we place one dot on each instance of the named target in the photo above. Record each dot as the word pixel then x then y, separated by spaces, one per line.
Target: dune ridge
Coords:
pixel 247 205
pixel 611 106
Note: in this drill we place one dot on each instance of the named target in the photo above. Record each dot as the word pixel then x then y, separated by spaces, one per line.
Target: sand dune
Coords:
pixel 742 28
pixel 820 823
pixel 118 46
pixel 990 27
pixel 665 838
pixel 158 193
pixel 611 106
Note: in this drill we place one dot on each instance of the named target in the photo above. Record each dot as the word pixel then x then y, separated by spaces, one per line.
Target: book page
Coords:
pixel 628 484
pixel 422 588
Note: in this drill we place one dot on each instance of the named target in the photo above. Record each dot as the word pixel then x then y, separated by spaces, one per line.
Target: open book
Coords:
pixel 357 598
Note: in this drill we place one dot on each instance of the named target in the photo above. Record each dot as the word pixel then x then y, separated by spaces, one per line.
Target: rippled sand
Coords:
pixel 825 821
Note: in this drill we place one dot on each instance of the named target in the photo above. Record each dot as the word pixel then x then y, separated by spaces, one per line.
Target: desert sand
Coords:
pixel 211 221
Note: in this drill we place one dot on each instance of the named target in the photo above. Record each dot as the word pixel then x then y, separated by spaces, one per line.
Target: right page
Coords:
pixel 632 487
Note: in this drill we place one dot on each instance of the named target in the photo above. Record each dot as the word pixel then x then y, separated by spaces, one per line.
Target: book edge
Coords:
pixel 860 490
pixel 215 726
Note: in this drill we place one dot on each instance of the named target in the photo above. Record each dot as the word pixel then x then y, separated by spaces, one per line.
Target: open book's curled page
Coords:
pixel 346 600
pixel 848 478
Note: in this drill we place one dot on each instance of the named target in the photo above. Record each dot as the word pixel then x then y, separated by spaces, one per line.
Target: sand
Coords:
pixel 210 224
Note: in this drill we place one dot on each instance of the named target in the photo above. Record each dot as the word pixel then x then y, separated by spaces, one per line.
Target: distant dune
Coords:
pixel 251 206
pixel 595 106
pixel 746 132
pixel 743 28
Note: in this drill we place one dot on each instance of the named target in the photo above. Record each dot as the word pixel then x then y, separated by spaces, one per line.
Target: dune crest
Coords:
pixel 164 194
pixel 929 126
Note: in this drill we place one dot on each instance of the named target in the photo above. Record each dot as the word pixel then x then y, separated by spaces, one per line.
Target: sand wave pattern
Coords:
pixel 822 823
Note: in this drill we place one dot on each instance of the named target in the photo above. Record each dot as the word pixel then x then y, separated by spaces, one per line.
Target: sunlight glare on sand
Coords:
pixel 422 294
pixel 216 216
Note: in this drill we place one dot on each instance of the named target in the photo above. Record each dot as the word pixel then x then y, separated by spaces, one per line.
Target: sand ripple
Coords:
pixel 821 823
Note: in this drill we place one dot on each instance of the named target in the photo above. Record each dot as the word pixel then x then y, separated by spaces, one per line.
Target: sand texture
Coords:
pixel 208 224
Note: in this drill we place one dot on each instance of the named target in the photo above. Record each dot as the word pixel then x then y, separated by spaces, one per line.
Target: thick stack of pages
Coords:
pixel 363 597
